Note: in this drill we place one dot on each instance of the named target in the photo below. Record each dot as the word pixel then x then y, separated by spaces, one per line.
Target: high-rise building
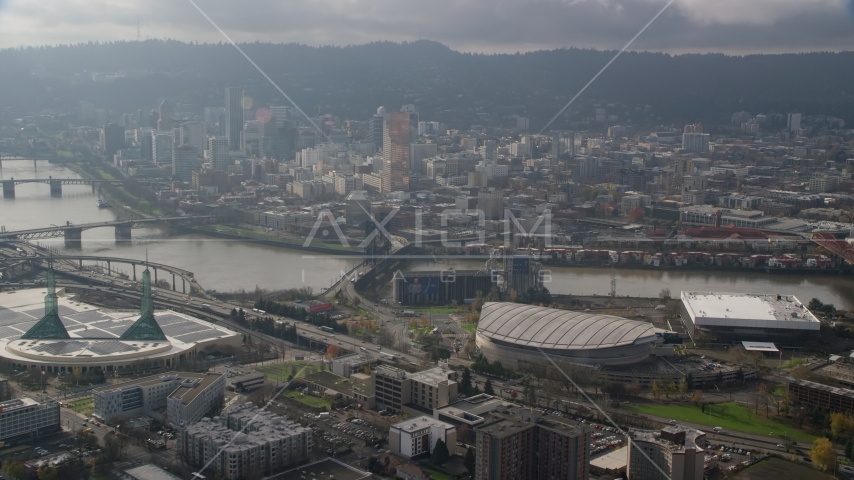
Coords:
pixel 161 144
pixel 695 142
pixel 394 388
pixel 794 122
pixel 233 116
pixel 675 449
pixel 194 134
pixel 530 446
pixel 250 138
pixel 694 128
pixel 490 204
pixel 165 116
pixel 375 128
pixel 185 159
pixel 145 141
pixel 218 153
pixel 396 152
pixel 112 139
pixel 419 152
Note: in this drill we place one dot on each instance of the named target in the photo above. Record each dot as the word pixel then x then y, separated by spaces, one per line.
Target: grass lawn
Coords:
pixel 436 310
pixel 729 416
pixel 309 400
pixel 470 327
pixel 281 371
pixel 793 363
pixel 438 475
pixel 86 406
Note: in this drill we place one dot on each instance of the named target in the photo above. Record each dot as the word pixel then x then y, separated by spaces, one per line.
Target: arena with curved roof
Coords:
pixel 515 334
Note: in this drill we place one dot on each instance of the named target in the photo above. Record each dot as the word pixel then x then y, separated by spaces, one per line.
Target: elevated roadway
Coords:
pixel 72 232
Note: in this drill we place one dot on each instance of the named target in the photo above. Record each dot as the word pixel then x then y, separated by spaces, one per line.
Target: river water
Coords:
pixel 218 264
pixel 226 265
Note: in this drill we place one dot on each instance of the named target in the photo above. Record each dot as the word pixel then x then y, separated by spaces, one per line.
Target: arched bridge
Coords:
pixel 832 244
pixel 55 184
pixel 72 232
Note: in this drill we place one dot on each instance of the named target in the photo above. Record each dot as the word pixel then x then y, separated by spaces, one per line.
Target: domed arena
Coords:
pixel 515 334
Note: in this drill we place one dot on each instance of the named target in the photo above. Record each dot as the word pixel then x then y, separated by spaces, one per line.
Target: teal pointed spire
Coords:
pixel 146 328
pixel 50 327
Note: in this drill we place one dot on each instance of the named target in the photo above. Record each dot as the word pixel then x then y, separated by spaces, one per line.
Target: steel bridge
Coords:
pixel 72 232
pixel 832 244
pixel 55 184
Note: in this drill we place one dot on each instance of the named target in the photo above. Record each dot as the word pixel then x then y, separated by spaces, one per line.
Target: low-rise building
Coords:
pixel 173 398
pixel 346 365
pixel 674 452
pixel 23 418
pixel 418 436
pixel 820 396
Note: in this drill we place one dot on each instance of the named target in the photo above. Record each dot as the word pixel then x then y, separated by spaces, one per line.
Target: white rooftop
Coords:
pixel 748 310
pixel 415 424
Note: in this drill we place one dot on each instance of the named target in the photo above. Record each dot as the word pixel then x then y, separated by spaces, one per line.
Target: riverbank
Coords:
pixel 261 239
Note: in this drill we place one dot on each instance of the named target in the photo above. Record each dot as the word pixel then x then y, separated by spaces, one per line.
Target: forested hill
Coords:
pixel 445 85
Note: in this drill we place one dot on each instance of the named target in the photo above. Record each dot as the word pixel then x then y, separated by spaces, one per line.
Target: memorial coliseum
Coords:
pixel 63 334
pixel 514 334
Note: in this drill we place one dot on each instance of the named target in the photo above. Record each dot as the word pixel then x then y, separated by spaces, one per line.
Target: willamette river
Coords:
pixel 228 265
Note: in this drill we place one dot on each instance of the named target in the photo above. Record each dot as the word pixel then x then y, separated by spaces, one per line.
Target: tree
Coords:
pixel 696 396
pixel 465 381
pixel 822 454
pixel 664 294
pixel 656 390
pixel 440 453
pixel 487 387
pixel 333 351
pixel 47 472
pixel 14 469
pixel 683 386
pixel 469 461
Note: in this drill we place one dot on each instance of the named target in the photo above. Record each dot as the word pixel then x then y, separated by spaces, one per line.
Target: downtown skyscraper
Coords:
pixel 395 172
pixel 233 116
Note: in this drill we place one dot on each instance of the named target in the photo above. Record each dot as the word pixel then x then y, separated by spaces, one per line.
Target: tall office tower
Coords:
pixel 195 134
pixel 153 118
pixel 280 112
pixel 218 153
pixel 233 116
pixel 375 129
pixel 185 159
pixel 693 128
pixel 166 113
pixel 794 123
pixel 413 121
pixel 145 142
pixel 396 152
pixel 250 138
pixel 557 147
pixel 161 147
pixel 695 142
pixel 112 139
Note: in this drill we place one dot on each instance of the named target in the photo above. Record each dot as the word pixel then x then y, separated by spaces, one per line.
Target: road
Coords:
pixel 73 422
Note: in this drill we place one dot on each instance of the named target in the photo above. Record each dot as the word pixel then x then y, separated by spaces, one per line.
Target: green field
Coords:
pixel 437 475
pixel 470 327
pixel 309 400
pixel 86 406
pixel 281 371
pixel 729 416
pixel 435 310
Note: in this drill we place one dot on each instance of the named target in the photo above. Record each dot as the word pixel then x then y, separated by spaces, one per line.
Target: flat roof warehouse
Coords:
pixel 748 310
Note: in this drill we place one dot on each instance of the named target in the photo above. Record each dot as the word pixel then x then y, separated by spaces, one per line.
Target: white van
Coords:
pixel 718 429
pixel 363 349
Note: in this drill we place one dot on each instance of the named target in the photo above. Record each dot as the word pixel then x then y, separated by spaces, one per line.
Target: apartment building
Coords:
pixel 395 388
pixel 418 436
pixel 266 443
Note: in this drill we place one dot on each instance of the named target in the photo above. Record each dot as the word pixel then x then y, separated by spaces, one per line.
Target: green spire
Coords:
pixel 146 328
pixel 50 327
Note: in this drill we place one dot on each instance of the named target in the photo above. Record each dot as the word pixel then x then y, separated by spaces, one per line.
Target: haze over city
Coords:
pixel 545 239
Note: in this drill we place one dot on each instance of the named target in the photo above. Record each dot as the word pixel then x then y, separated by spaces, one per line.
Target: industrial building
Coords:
pixel 674 449
pixel 177 398
pixel 22 419
pixel 418 436
pixel 518 335
pixel 737 317
pixel 245 442
pixel 440 288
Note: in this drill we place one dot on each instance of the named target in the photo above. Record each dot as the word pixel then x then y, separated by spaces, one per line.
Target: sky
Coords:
pixel 487 26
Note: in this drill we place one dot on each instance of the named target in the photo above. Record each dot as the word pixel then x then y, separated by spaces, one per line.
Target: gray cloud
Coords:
pixel 734 26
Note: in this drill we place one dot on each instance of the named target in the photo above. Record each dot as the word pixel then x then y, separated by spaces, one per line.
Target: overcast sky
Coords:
pixel 731 26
